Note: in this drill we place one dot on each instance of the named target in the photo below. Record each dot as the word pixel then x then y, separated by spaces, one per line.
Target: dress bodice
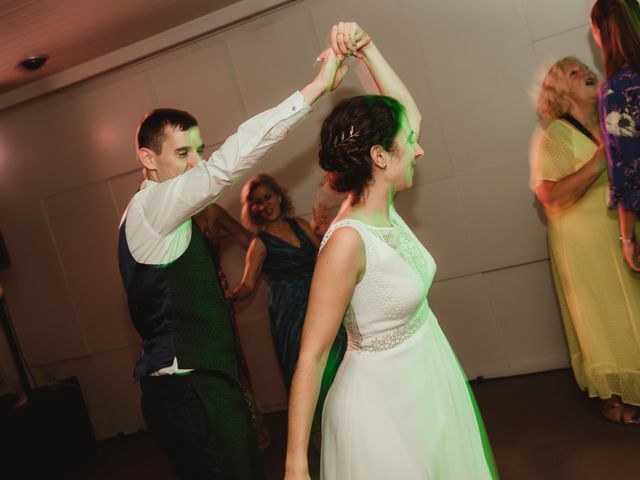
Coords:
pixel 390 301
pixel 285 261
pixel 399 406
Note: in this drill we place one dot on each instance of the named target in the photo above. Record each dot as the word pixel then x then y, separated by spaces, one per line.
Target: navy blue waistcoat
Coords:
pixel 179 310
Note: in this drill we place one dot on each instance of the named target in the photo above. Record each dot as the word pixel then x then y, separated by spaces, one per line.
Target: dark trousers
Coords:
pixel 203 425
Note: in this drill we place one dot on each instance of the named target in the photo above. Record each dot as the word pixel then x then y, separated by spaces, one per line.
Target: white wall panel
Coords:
pixel 17 131
pixel 503 215
pixel 455 32
pixel 83 222
pixel 36 289
pixel 122 188
pixel 526 309
pixel 485 109
pixel 577 42
pixel 546 18
pixel 89 133
pixel 273 56
pixel 466 316
pixel 202 83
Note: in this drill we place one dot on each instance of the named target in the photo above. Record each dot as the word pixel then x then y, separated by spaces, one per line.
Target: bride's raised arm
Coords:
pixel 348 38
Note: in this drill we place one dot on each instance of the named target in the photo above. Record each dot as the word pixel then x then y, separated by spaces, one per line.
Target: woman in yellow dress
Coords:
pixel 598 295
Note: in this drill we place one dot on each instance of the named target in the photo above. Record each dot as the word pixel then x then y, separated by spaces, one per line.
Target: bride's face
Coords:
pixel 406 152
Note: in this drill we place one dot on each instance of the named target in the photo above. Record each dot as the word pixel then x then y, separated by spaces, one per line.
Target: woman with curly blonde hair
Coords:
pixel 599 297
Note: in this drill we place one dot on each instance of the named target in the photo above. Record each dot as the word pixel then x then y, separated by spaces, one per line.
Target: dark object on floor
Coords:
pixel 50 436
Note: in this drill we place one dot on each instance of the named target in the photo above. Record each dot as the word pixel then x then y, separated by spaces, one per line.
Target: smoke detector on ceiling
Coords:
pixel 34 62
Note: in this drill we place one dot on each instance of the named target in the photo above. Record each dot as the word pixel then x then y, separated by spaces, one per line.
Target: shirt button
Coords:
pixel 293 108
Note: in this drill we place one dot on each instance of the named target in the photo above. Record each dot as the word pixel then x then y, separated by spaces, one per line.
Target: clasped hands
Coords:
pixel 345 39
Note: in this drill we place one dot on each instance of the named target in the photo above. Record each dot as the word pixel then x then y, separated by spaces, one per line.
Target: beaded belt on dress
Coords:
pixel 387 340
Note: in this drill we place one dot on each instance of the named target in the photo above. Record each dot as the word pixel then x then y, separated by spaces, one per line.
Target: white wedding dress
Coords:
pixel 400 406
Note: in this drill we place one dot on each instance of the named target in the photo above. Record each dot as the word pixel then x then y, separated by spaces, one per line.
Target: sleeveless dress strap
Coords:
pixel 347 222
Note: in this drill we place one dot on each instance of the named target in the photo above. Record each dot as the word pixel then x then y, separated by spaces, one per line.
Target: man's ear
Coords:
pixel 147 158
pixel 379 156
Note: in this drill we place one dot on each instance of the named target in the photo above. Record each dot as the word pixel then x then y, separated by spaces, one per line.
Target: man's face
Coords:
pixel 181 151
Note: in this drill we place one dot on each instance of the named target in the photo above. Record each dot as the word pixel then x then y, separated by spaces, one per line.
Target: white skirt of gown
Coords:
pixel 404 413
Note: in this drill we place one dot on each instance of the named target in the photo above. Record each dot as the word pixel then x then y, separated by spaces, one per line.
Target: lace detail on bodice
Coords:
pixel 404 244
pixel 389 303
pixel 387 340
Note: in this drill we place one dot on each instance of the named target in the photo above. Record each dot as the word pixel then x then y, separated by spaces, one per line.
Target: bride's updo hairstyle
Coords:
pixel 348 133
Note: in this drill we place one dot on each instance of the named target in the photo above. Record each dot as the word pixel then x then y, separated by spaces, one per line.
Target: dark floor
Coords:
pixel 541 428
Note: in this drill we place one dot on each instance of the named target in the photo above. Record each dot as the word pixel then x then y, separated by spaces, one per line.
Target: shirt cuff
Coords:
pixel 294 104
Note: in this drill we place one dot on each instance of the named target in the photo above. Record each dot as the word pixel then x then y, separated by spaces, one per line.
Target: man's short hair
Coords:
pixel 151 131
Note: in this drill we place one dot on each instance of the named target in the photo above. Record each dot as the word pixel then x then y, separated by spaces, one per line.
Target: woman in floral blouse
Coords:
pixel 616 30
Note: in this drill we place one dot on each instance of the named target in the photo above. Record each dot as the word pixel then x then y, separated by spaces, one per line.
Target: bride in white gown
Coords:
pixel 400 406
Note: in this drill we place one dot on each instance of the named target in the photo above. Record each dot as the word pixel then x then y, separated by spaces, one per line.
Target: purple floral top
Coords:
pixel 619 105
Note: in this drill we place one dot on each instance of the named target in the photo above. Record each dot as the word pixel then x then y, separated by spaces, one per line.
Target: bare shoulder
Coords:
pixel 345 240
pixel 343 254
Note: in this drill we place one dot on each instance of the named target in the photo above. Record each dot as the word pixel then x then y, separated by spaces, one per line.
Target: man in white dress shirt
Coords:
pixel 191 398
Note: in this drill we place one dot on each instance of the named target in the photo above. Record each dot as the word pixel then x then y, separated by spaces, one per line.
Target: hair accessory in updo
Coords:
pixel 345 140
pixel 347 136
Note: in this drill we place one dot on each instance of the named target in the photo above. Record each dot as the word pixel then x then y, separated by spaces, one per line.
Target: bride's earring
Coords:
pixel 382 163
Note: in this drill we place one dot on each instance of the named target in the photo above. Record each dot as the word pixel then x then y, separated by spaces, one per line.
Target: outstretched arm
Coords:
pixel 348 38
pixel 166 206
pixel 339 267
pixel 332 71
pixel 252 268
pixel 218 219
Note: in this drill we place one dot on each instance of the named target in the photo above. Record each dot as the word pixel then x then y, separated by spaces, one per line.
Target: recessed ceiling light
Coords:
pixel 34 62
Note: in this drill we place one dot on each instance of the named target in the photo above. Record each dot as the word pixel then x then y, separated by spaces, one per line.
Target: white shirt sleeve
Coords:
pixel 158 225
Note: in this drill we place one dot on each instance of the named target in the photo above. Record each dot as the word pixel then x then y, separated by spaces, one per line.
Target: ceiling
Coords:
pixel 72 32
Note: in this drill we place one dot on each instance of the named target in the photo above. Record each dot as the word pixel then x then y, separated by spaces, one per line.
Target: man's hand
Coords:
pixel 332 71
